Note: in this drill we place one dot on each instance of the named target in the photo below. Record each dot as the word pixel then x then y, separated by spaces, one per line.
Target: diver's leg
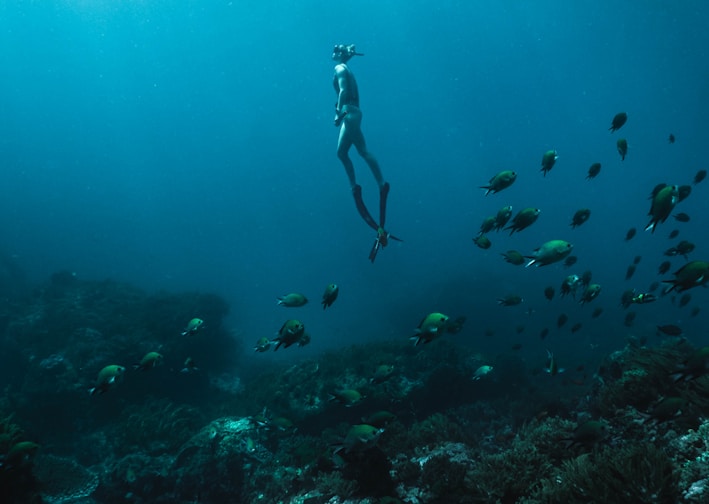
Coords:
pixel 354 126
pixel 361 146
pixel 343 145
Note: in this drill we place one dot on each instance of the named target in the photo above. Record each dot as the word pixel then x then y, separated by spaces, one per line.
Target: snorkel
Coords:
pixel 345 52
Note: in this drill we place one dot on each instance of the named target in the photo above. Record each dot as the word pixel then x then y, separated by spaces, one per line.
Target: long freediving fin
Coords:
pixel 361 208
pixel 383 193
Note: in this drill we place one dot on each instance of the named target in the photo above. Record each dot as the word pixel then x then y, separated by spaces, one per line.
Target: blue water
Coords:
pixel 190 146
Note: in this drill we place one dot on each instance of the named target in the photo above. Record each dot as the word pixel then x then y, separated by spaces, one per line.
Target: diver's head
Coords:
pixel 343 53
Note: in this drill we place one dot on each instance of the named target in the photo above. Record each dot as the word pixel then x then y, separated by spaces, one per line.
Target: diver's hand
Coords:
pixel 339 118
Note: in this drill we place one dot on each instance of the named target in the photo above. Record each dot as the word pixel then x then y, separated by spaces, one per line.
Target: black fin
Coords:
pixel 383 193
pixel 357 193
pixel 375 249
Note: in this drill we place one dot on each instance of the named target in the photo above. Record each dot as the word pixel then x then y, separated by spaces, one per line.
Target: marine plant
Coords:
pixel 333 484
pixel 445 479
pixel 18 483
pixel 156 426
pixel 434 429
pixel 636 376
pixel 10 433
pixel 635 473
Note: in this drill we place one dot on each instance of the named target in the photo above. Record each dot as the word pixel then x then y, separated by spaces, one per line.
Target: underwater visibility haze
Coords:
pixel 170 172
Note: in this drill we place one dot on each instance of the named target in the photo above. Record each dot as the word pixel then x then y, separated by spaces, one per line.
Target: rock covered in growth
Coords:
pixel 64 481
pixel 214 463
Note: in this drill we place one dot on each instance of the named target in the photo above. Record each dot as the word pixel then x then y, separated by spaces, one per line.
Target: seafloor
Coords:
pixel 223 431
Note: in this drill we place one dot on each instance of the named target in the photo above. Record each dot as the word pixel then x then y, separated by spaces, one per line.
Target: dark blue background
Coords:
pixel 189 145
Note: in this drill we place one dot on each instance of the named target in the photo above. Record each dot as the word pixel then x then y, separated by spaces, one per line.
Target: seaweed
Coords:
pixel 157 426
pixel 637 376
pixel 635 473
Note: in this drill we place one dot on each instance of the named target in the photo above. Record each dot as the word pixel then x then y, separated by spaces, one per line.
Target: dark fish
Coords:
pixel 455 326
pixel 597 312
pixel 500 181
pixel 653 286
pixel 670 330
pixel 673 234
pixel 548 160
pixel 629 319
pixel 570 261
pixel 580 217
pixel 489 332
pixel 671 138
pixel 483 242
pixel 618 121
pixel 683 192
pixel 693 274
pixel 626 299
pixel 683 248
pixel 630 234
pixel 549 293
pixel 593 171
pixel 502 217
pixel 637 259
pixel 681 217
pixel 685 299
pixel 544 333
pixel 695 311
pixel 519 329
pixel 563 318
pixel 622 146
pixel 523 219
pixel 630 272
pixel 552 367
pixel 662 205
pixel 664 267
pixel 516 346
pixel 514 257
pixel 487 225
pixel 701 175
pixel 511 300
pixel 576 327
pixel 586 278
pixel 655 190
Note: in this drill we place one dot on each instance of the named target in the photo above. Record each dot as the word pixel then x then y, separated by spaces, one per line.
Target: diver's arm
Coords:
pixel 342 84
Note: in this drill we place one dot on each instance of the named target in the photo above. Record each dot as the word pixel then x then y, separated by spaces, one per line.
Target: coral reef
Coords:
pixel 62 480
pixel 170 435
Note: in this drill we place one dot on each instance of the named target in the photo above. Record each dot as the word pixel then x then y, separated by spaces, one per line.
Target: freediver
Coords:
pixel 348 117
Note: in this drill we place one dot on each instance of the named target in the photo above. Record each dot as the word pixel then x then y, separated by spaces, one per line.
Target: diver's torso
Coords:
pixel 351 96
